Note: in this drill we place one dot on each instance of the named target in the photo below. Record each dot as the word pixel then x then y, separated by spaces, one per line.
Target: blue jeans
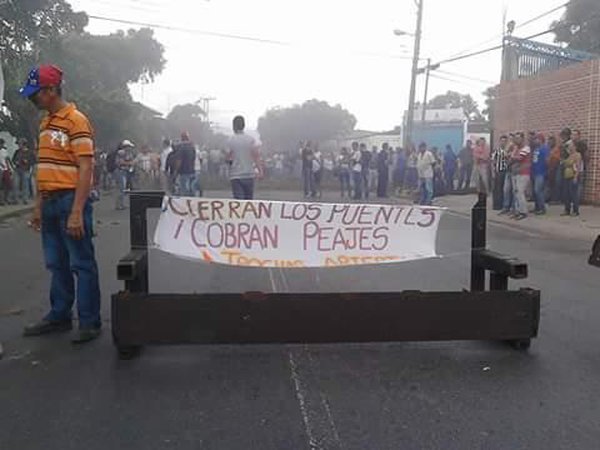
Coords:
pixel 65 258
pixel 365 183
pixel 357 178
pixel 539 192
pixel 572 195
pixel 466 171
pixel 345 181
pixel 309 182
pixel 124 183
pixel 508 203
pixel 243 188
pixel 21 185
pixel 198 184
pixel 426 191
pixel 187 184
pixel 449 173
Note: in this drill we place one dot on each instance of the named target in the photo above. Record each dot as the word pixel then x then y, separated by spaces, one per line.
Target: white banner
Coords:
pixel 261 233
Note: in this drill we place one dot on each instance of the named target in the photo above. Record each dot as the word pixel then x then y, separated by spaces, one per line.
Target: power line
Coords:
pixel 452 80
pixel 190 30
pixel 527 22
pixel 541 16
pixel 229 36
pixel 498 47
pixel 466 77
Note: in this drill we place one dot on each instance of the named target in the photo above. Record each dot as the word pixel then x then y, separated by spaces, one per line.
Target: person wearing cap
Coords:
pixel 125 162
pixel 63 211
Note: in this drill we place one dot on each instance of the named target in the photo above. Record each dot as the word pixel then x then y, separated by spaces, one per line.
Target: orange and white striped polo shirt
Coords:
pixel 64 137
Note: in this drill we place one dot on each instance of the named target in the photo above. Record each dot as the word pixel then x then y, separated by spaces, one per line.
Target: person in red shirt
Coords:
pixel 520 163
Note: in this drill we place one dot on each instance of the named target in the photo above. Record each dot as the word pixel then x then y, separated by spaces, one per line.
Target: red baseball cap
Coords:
pixel 41 77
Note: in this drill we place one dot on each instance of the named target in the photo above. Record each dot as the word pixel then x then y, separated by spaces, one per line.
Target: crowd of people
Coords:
pixel 17 172
pixel 523 167
pixel 543 168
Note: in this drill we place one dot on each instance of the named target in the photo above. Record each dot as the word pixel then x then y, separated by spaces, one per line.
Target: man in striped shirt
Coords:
pixel 63 211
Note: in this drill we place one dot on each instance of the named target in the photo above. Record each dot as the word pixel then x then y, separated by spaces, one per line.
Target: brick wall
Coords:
pixel 569 97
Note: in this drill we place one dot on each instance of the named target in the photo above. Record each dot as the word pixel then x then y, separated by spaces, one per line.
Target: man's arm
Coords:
pixel 75 226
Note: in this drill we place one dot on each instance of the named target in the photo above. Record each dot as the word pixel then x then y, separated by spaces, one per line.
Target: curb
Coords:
pixel 15 213
pixel 516 225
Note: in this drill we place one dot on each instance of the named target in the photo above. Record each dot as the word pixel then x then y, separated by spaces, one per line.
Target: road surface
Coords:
pixel 453 395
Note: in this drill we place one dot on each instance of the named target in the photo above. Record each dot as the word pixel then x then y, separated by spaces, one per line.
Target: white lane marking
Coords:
pixel 272 278
pixel 316 413
pixel 325 404
pixel 312 443
pixel 315 410
pixel 286 286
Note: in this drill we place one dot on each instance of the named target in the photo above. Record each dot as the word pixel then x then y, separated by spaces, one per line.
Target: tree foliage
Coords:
pixel 97 69
pixel 452 99
pixel 189 117
pixel 490 96
pixel 282 128
pixel 580 26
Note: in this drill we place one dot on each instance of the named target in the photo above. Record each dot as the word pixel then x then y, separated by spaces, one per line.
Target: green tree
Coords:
pixel 580 26
pixel 453 99
pixel 490 96
pixel 97 69
pixel 189 117
pixel 24 26
pixel 282 128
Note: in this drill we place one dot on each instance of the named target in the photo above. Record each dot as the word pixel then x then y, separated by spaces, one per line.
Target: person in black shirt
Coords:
pixel 383 171
pixel 308 175
pixel 365 162
pixel 184 158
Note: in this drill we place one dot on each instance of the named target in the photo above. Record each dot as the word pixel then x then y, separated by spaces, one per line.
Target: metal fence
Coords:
pixel 525 59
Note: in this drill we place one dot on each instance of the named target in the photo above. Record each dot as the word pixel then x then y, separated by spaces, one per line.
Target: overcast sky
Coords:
pixel 340 51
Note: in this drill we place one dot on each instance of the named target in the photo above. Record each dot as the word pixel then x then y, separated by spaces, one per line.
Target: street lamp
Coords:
pixel 398 32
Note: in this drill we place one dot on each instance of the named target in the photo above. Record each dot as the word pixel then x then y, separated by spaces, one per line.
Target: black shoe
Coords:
pixel 47 327
pixel 84 335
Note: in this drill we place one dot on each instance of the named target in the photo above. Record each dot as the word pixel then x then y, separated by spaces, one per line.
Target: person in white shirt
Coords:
pixel 425 163
pixel 164 175
pixel 355 162
pixel 198 163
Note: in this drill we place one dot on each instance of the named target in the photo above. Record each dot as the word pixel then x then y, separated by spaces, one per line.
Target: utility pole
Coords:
pixel 410 119
pixel 426 70
pixel 424 112
pixel 205 105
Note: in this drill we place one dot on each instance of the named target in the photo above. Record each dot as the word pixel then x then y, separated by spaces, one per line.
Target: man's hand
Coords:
pixel 75 225
pixel 36 218
pixel 260 173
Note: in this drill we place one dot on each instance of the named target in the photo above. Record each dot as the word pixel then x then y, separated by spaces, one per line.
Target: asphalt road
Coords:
pixel 454 395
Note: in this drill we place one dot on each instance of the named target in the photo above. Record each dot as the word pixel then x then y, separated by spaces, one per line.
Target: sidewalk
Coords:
pixel 9 211
pixel 585 227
